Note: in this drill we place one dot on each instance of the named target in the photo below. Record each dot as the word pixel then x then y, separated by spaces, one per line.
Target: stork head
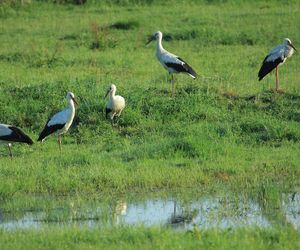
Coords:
pixel 157 35
pixel 112 89
pixel 71 96
pixel 288 42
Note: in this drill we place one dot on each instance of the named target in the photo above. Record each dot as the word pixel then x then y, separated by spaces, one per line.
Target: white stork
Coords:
pixel 116 103
pixel 61 121
pixel 10 134
pixel 277 56
pixel 172 63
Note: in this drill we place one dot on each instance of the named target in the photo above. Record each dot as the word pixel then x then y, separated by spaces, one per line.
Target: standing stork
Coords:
pixel 277 56
pixel 172 63
pixel 10 134
pixel 115 105
pixel 61 121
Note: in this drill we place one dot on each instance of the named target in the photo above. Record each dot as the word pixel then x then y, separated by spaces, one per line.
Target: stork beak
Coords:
pixel 106 94
pixel 75 101
pixel 293 47
pixel 150 39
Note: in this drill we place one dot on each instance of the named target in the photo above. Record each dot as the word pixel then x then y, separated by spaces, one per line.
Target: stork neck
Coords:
pixel 159 46
pixel 112 93
pixel 288 51
pixel 72 104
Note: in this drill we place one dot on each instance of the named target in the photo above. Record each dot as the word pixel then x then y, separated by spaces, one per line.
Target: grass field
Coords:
pixel 128 238
pixel 224 129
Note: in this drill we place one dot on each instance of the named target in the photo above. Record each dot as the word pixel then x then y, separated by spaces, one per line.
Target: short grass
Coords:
pixel 154 238
pixel 224 127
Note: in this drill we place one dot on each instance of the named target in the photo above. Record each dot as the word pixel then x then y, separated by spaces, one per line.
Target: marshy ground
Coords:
pixel 223 132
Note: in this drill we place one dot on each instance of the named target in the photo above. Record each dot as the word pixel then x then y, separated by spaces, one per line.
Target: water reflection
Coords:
pixel 118 212
pixel 204 212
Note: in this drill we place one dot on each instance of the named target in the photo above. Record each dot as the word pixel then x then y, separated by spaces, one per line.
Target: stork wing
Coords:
pixel 55 123
pixel 60 117
pixel 178 64
pixel 271 61
pixel 188 68
pixel 19 136
pixel 4 130
pixel 14 134
pixel 277 52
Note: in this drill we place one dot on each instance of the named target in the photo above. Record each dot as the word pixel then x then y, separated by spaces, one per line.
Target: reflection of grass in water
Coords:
pixel 185 216
pixel 79 211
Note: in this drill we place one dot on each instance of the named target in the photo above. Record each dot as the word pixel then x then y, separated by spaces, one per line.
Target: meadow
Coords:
pixel 155 238
pixel 224 130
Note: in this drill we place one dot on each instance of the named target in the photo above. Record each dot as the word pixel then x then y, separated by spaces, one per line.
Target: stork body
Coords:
pixel 277 56
pixel 10 134
pixel 116 103
pixel 61 121
pixel 172 63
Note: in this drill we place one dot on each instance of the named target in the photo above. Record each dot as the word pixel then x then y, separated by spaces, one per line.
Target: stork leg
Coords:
pixel 59 141
pixel 9 149
pixel 277 80
pixel 173 84
pixel 117 122
pixel 112 115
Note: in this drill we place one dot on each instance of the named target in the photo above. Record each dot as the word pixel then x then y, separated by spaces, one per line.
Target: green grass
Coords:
pixel 137 238
pixel 225 127
pixel 224 130
pixel 223 123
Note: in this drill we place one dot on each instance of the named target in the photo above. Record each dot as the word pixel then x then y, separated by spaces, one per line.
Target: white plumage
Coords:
pixel 172 63
pixel 63 117
pixel 61 121
pixel 277 56
pixel 11 134
pixel 116 103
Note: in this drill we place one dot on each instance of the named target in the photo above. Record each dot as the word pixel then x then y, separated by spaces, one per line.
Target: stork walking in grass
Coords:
pixel 10 134
pixel 172 63
pixel 115 105
pixel 61 121
pixel 277 56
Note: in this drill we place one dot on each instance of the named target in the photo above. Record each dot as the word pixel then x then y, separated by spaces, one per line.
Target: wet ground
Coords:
pixel 204 211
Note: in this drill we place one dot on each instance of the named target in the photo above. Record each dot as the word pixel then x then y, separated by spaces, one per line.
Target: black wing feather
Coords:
pixel 184 68
pixel 48 130
pixel 268 66
pixel 188 68
pixel 181 68
pixel 17 135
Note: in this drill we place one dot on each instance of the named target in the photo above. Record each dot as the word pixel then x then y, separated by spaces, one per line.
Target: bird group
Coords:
pixel 61 121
